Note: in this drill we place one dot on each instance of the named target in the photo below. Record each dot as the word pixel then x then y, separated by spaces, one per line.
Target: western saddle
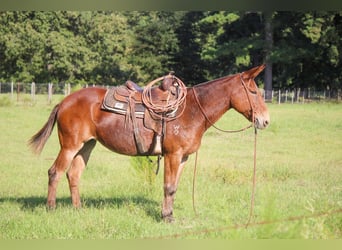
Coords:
pixel 155 105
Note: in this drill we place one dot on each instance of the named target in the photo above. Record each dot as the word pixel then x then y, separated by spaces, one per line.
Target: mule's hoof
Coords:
pixel 50 208
pixel 78 207
pixel 168 219
pixel 50 205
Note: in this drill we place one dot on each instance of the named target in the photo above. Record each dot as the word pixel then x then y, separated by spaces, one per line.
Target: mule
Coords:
pixel 81 122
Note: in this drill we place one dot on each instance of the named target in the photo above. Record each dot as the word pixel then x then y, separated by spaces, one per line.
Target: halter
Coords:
pixel 230 131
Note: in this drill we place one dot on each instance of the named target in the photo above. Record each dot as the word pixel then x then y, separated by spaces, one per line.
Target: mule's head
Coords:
pixel 247 99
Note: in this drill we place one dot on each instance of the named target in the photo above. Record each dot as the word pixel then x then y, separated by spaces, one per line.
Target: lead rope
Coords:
pixel 193 185
pixel 251 211
pixel 254 181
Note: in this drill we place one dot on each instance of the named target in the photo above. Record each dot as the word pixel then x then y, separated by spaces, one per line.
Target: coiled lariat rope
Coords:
pixel 165 110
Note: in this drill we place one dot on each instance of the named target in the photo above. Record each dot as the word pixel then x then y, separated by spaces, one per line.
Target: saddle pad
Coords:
pixel 119 106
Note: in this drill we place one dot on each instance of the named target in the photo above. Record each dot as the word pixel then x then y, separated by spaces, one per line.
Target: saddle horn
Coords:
pixel 168 81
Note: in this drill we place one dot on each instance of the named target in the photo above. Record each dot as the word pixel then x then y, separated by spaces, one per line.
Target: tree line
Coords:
pixel 300 49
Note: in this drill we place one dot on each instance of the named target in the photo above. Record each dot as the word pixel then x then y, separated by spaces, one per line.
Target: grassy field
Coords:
pixel 298 195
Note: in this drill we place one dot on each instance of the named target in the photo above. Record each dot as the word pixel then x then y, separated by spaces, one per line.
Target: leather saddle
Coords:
pixel 118 99
pixel 127 100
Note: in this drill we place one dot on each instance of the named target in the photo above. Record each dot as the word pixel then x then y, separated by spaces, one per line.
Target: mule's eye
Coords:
pixel 254 92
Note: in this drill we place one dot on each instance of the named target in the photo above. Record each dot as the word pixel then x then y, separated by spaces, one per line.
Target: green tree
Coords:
pixel 268 48
pixel 188 62
pixel 306 49
pixel 301 49
pixel 155 43
pixel 230 41
pixel 21 48
pixel 110 38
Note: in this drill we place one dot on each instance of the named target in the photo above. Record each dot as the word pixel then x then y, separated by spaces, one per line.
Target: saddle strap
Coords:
pixel 137 137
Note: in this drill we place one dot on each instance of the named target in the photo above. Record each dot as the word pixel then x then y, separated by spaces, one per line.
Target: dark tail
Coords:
pixel 38 141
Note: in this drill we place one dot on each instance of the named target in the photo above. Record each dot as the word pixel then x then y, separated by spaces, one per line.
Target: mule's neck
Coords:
pixel 214 97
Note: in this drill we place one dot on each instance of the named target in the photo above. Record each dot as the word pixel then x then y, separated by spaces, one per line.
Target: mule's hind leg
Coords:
pixel 74 173
pixel 61 163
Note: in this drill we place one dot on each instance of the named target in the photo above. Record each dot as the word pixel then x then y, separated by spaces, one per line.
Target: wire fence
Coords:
pixel 28 91
pixel 277 95
pixel 304 95
pixel 241 226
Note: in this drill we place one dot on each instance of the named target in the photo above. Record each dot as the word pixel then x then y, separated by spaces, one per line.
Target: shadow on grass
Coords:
pixel 150 207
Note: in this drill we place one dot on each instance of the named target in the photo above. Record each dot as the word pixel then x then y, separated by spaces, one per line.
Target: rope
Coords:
pixel 211 123
pixel 165 110
pixel 254 181
pixel 233 131
pixel 251 210
pixel 193 184
pixel 240 226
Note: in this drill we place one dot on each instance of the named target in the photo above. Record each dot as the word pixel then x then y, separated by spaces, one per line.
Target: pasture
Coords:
pixel 298 192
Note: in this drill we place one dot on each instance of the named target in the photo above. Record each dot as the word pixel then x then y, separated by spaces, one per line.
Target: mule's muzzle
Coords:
pixel 262 122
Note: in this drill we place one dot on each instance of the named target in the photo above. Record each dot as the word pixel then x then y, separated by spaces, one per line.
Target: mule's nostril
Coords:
pixel 266 122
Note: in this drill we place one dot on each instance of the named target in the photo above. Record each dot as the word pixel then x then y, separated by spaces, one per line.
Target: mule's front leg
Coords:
pixel 169 193
pixel 173 167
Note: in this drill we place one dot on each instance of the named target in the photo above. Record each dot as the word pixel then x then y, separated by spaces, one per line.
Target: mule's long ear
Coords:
pixel 252 73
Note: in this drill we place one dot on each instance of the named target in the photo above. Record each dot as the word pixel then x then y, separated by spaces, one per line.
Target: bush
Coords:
pixel 5 101
pixel 145 168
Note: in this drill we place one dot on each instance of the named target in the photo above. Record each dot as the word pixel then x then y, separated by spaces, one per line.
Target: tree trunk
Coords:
pixel 268 51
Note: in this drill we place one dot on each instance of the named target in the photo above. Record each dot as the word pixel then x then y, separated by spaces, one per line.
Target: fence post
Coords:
pixel 298 94
pixel 49 92
pixel 18 91
pixel 12 90
pixel 33 91
pixel 67 89
pixel 279 96
pixel 292 96
pixel 286 96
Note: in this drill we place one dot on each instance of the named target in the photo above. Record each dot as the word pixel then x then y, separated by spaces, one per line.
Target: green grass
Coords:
pixel 299 173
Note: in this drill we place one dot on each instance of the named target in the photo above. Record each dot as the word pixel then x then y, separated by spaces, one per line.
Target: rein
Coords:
pixel 232 131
